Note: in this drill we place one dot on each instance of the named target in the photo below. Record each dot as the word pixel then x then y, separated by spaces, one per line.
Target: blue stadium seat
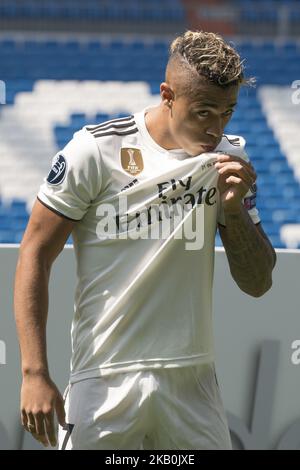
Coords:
pixel 7 236
pixel 78 120
pixel 101 117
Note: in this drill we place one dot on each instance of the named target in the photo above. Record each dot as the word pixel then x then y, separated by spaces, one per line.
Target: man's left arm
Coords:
pixel 250 254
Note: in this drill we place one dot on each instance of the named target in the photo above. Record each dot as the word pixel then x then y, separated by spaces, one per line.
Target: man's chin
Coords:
pixel 198 149
pixel 208 148
pixel 201 151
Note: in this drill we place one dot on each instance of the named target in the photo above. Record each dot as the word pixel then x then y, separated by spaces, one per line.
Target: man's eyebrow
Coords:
pixel 213 105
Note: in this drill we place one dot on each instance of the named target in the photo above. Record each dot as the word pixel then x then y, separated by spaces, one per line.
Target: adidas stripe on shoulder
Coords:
pixel 120 126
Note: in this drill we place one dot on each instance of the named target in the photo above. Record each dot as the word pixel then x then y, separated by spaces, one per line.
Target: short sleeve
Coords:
pixel 74 180
pixel 249 201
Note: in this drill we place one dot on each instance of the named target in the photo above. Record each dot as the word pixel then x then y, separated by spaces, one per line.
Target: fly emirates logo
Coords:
pixel 177 211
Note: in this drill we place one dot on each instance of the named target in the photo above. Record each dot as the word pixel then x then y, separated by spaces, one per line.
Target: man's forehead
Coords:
pixel 214 96
pixel 214 103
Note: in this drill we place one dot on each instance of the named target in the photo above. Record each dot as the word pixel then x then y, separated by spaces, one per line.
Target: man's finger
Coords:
pixel 223 158
pixel 237 170
pixel 240 164
pixel 238 182
pixel 50 428
pixel 36 427
pixel 29 424
pixel 24 420
pixel 38 438
pixel 60 411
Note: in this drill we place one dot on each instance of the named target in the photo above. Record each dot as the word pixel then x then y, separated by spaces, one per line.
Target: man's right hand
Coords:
pixel 40 400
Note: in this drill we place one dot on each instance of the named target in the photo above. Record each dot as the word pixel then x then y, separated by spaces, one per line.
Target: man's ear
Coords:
pixel 166 92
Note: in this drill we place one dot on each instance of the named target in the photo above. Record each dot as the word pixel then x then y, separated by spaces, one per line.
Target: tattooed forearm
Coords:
pixel 250 255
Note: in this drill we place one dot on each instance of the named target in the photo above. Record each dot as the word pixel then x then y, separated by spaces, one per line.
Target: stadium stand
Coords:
pixel 263 18
pixel 156 10
pixel 93 15
pixel 55 86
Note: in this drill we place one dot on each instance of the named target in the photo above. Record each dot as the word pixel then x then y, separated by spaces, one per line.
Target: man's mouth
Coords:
pixel 208 148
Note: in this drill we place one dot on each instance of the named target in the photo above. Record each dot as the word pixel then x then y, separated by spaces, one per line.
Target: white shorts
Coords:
pixel 177 408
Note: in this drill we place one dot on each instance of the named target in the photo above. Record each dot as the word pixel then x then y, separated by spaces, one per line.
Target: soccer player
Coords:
pixel 143 197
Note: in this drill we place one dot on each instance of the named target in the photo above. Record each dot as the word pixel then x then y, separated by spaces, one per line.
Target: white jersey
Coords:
pixel 145 270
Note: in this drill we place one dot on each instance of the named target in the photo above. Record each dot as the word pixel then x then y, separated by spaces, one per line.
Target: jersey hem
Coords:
pixel 156 364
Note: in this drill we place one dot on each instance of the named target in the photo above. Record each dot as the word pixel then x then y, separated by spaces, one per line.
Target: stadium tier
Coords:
pixel 156 10
pixel 53 88
pixel 265 11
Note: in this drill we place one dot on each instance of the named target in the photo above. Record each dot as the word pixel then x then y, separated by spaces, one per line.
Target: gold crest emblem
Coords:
pixel 132 161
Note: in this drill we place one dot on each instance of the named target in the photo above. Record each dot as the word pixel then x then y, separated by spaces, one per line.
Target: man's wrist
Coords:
pixel 29 371
pixel 234 210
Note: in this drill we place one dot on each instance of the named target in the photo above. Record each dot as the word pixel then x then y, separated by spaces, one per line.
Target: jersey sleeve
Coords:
pixel 74 180
pixel 249 199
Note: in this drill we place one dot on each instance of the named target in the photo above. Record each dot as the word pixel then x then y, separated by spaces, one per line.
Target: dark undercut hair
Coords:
pixel 207 55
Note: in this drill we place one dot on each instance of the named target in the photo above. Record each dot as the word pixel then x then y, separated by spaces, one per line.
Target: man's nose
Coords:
pixel 215 129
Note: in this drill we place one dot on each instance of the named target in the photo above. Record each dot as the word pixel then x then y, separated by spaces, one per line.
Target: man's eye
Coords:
pixel 202 113
pixel 229 112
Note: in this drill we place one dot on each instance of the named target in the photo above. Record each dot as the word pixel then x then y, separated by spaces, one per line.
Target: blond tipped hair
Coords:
pixel 210 56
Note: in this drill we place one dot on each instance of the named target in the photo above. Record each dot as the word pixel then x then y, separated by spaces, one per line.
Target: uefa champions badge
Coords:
pixel 58 171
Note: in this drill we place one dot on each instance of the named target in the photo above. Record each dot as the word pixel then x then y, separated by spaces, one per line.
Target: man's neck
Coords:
pixel 156 120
